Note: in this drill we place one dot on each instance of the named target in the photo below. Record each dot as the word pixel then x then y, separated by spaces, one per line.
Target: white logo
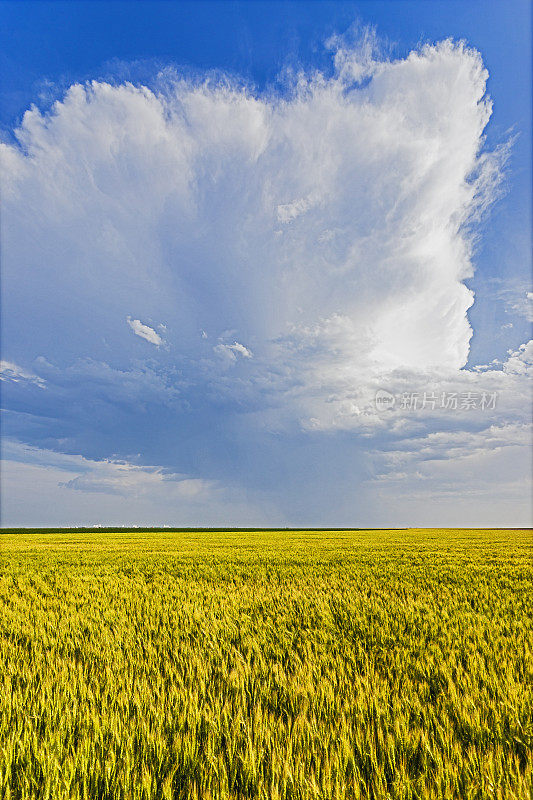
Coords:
pixel 384 400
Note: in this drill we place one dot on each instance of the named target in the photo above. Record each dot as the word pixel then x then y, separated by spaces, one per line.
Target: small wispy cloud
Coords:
pixel 144 331
pixel 123 478
pixel 524 306
pixel 517 298
pixel 232 351
pixel 287 212
pixel 15 374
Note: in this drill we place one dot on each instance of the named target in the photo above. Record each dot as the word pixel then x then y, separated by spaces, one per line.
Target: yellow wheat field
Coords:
pixel 285 664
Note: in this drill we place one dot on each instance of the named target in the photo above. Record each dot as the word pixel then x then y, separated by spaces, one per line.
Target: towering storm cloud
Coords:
pixel 338 213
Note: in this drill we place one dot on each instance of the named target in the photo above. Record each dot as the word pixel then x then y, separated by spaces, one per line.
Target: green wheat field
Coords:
pixel 266 664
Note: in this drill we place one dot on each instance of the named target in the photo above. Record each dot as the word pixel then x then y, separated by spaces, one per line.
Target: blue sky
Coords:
pixel 227 225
